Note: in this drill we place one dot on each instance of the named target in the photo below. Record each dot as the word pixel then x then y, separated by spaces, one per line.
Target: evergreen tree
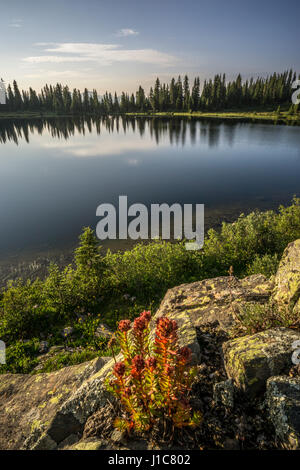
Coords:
pixel 18 102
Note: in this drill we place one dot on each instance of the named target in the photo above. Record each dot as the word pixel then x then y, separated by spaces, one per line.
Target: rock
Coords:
pixel 68 331
pixel 296 309
pixel 251 360
pixel 283 401
pixel 89 444
pixel 103 331
pixel 90 396
pixel 287 279
pixel 69 441
pixel 30 405
pixel 55 349
pixel 212 300
pixel 223 393
pixel 117 437
pixel 231 444
pixel 43 347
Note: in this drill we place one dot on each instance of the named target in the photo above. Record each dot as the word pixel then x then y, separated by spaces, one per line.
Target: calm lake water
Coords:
pixel 54 173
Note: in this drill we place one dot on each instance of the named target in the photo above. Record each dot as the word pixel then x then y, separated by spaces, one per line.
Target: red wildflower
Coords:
pixel 185 403
pixel 147 315
pixel 139 324
pixel 127 391
pixel 124 325
pixel 184 354
pixel 151 362
pixel 166 327
pixel 138 363
pixel 119 369
pixel 170 370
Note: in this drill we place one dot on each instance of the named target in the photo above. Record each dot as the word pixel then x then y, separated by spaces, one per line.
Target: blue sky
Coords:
pixel 118 44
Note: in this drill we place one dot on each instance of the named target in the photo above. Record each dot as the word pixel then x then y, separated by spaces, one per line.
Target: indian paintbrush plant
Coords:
pixel 154 378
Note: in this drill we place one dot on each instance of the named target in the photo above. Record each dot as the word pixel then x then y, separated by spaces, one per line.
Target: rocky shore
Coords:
pixel 248 385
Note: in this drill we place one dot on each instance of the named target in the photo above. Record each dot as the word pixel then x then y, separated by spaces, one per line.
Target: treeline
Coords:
pixel 177 96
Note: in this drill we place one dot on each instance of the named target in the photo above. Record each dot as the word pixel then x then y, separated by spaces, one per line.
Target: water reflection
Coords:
pixel 177 129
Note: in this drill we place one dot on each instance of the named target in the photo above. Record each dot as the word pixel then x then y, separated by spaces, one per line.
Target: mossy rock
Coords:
pixel 283 401
pixel 89 444
pixel 30 406
pixel 252 359
pixel 287 279
pixel 212 300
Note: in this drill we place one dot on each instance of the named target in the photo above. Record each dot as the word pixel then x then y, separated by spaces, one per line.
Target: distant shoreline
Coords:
pixel 247 116
pixel 281 118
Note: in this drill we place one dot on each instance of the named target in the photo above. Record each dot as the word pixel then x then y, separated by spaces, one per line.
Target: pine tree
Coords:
pixel 86 101
pixel 18 102
pixel 186 93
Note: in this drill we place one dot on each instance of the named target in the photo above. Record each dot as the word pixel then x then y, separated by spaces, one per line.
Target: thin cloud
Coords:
pixel 58 73
pixel 104 54
pixel 55 59
pixel 127 32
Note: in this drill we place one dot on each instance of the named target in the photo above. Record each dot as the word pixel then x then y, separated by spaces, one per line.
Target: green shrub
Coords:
pixel 23 313
pixel 147 271
pixel 21 357
pixel 255 317
pixel 65 359
pixel 266 264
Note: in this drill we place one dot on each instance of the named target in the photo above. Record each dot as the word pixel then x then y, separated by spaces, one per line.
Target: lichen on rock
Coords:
pixel 287 279
pixel 283 401
pixel 252 359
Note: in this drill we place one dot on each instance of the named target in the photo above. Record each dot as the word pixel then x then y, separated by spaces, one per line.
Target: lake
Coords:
pixel 55 172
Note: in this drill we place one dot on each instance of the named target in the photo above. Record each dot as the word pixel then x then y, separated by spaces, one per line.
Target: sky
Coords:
pixel 117 45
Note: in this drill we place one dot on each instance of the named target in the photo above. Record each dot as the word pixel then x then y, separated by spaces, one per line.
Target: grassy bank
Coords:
pixel 282 117
pixel 97 289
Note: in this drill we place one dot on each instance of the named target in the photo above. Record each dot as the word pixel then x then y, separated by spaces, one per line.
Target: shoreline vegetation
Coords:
pixel 70 311
pixel 260 98
pixel 275 117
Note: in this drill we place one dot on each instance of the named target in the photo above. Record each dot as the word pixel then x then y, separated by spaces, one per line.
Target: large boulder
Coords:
pixel 187 333
pixel 213 300
pixel 283 401
pixel 287 279
pixel 30 406
pixel 252 359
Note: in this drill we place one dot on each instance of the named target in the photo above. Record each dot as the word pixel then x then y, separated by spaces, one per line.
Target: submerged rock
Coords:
pixel 252 359
pixel 283 401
